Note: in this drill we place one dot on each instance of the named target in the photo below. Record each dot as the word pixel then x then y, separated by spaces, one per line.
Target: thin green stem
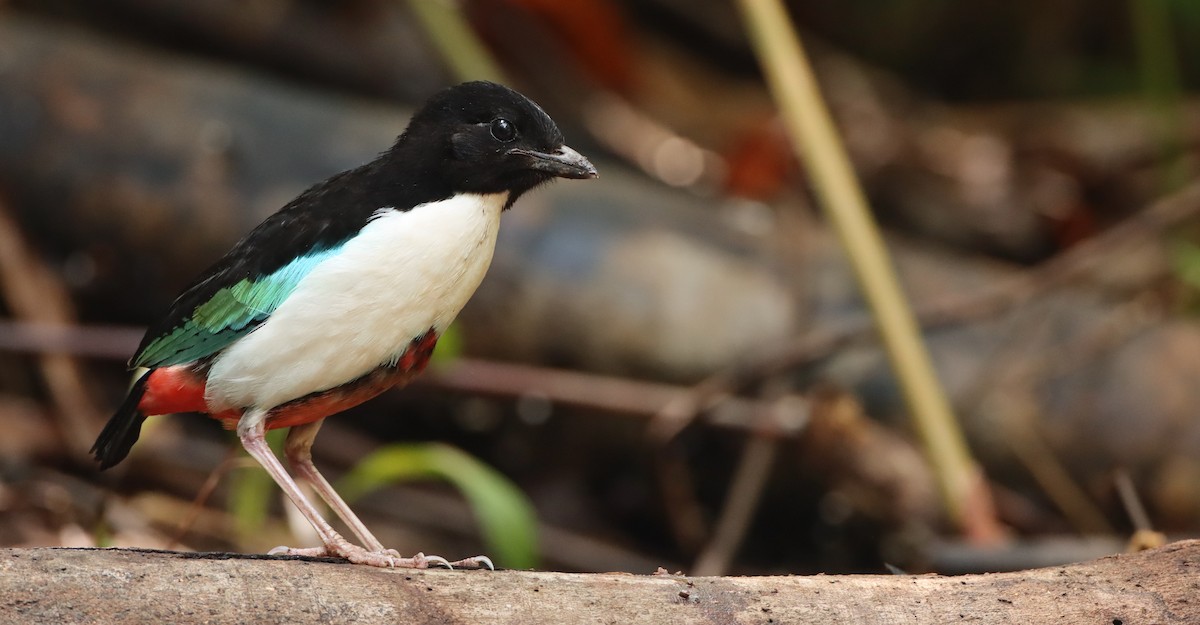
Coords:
pixel 455 41
pixel 1159 67
pixel 791 80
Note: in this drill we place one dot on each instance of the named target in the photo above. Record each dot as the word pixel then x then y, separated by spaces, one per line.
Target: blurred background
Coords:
pixel 671 365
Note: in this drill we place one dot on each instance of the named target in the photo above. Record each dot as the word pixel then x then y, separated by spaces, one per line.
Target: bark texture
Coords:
pixel 129 586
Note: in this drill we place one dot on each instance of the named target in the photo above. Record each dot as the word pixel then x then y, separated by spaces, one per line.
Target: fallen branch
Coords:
pixel 125 586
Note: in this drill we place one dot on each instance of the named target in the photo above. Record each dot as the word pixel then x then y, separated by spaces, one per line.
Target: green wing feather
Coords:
pixel 231 313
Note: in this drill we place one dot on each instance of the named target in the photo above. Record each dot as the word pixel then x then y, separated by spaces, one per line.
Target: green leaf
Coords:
pixel 449 347
pixel 506 517
pixel 1185 259
pixel 102 533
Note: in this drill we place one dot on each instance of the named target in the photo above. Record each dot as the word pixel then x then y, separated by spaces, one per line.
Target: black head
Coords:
pixel 482 137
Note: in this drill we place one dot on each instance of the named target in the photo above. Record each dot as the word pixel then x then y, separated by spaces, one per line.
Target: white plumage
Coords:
pixel 405 273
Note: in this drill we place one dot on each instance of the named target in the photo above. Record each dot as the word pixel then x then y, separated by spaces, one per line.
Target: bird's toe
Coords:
pixel 474 562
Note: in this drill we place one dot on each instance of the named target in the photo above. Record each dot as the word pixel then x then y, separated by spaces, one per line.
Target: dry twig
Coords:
pixel 34 293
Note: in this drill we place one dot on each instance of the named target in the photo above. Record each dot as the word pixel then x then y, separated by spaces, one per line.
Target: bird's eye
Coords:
pixel 503 130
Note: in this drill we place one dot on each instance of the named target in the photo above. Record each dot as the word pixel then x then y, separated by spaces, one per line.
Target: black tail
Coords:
pixel 121 432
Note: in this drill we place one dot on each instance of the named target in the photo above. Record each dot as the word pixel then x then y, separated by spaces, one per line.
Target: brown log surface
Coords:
pixel 130 586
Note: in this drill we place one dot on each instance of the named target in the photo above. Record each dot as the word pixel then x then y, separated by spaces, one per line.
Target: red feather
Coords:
pixel 181 389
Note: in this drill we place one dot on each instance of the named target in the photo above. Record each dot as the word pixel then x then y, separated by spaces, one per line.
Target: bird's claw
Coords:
pixel 427 561
pixel 309 552
pixel 474 562
pixel 387 558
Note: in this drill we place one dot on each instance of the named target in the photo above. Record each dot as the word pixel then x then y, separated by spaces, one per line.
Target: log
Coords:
pixel 372 46
pixel 133 586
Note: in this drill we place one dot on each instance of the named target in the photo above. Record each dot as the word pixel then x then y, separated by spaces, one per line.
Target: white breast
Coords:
pixel 404 273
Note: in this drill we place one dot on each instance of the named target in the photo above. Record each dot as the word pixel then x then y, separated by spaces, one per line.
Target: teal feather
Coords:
pixel 229 314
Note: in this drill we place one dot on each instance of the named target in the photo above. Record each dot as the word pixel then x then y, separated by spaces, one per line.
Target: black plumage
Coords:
pixel 450 146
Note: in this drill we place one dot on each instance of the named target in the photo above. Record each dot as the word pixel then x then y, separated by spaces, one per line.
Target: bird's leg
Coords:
pixel 299 454
pixel 252 432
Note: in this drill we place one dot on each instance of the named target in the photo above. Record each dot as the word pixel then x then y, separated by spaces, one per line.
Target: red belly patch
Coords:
pixel 173 389
pixel 181 389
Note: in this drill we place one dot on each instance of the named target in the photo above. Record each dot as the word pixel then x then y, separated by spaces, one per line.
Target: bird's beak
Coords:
pixel 565 163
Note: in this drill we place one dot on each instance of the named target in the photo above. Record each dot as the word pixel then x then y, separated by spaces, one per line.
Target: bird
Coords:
pixel 343 293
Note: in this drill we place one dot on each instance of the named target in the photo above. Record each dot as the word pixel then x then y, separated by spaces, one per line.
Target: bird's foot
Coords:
pixel 474 562
pixel 388 558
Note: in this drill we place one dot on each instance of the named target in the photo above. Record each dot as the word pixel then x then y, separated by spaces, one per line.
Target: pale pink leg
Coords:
pixel 252 431
pixel 299 453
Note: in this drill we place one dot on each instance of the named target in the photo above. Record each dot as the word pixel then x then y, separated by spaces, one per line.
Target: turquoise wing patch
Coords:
pixel 232 312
